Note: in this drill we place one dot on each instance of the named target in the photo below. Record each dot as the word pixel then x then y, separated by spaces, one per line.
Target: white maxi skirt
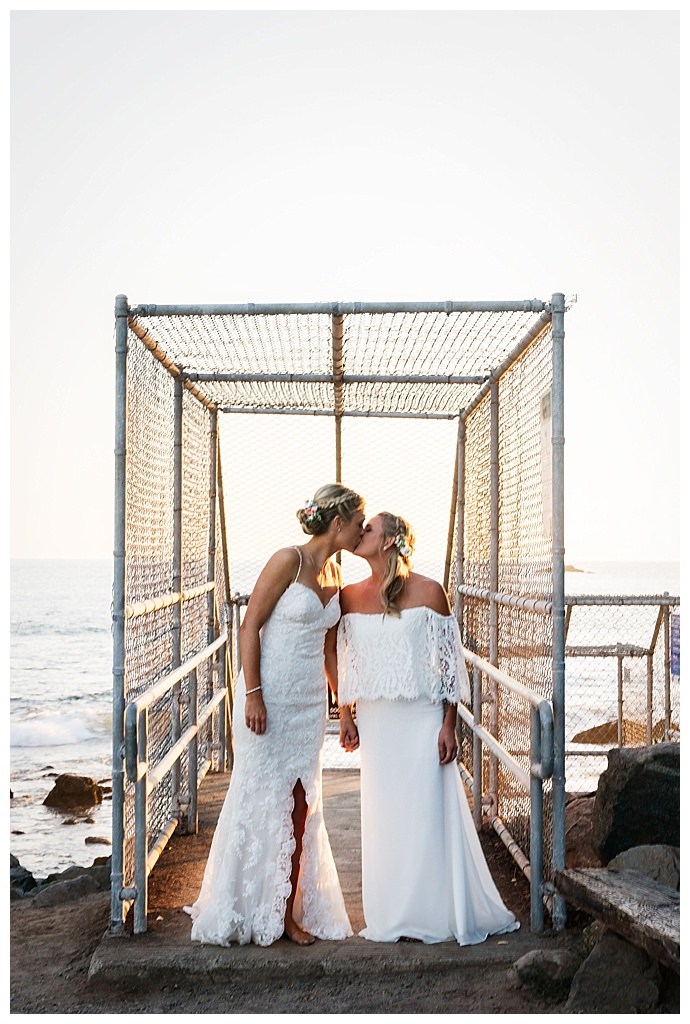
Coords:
pixel 424 875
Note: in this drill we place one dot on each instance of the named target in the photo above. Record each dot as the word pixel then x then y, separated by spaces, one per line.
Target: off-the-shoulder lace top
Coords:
pixel 420 654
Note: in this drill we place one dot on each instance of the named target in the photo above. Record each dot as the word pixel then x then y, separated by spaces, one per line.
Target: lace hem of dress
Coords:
pixel 243 901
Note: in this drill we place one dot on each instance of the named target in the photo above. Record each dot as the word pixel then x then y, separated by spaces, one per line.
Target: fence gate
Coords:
pixel 227 418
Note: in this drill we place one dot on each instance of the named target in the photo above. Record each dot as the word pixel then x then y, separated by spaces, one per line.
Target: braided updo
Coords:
pixel 329 501
pixel 398 566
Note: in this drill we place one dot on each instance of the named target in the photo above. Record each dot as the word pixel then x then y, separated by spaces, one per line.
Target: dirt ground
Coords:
pixel 51 949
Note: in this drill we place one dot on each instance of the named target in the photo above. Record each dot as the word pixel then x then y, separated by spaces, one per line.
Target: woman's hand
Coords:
pixel 255 713
pixel 349 736
pixel 447 743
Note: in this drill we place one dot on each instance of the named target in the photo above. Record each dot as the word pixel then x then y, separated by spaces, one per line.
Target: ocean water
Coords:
pixel 61 704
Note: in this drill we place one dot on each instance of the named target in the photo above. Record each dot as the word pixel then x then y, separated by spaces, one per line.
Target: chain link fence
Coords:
pixel 441 413
pixel 620 686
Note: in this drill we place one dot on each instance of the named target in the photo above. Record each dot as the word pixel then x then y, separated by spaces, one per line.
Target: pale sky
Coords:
pixel 294 156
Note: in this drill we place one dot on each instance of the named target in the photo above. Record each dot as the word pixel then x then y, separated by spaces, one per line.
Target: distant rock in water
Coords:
pixel 74 791
pixel 573 568
pixel 634 733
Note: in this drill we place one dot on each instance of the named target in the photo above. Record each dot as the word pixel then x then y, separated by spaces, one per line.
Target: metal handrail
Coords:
pixel 146 776
pixel 541 769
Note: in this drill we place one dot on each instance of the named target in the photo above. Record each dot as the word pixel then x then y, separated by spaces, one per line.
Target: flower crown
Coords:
pixel 403 545
pixel 311 512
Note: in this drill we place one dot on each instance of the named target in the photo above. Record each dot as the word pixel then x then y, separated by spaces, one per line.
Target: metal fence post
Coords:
pixel 177 585
pixel 119 590
pixel 493 584
pixel 213 487
pixel 558 512
pixel 212 624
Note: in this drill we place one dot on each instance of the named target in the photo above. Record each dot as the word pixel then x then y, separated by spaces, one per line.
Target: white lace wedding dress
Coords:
pixel 424 875
pixel 247 877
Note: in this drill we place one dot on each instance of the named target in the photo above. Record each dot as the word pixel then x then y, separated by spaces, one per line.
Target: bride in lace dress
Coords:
pixel 270 870
pixel 400 661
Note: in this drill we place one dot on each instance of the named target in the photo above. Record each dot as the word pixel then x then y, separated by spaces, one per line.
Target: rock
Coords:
pixel 71 792
pixel 21 880
pixel 548 972
pixel 97 841
pixel 616 977
pixel 661 863
pixel 637 802
pixel 65 892
pixel 99 872
pixel 633 732
pixel 579 852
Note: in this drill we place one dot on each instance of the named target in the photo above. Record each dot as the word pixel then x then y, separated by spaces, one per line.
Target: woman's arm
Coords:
pixel 349 734
pixel 447 740
pixel 274 579
pixel 331 659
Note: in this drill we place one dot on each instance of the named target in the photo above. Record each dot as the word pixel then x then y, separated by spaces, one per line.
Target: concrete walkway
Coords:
pixel 166 951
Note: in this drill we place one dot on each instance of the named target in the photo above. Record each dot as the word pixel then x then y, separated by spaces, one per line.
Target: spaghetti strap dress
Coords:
pixel 424 874
pixel 247 878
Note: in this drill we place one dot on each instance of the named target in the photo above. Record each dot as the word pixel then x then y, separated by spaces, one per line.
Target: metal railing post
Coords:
pixel 141 828
pixel 192 770
pixel 119 591
pixel 667 674
pixel 477 755
pixel 536 825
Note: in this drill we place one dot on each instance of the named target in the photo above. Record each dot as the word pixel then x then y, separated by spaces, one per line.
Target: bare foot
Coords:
pixel 294 933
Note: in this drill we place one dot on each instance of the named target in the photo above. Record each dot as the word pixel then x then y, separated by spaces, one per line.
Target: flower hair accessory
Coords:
pixel 403 545
pixel 311 512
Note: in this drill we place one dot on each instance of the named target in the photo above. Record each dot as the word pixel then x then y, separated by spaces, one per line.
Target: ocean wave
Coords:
pixel 51 731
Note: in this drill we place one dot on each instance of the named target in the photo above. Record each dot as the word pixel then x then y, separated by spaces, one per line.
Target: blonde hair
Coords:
pixel 398 566
pixel 330 501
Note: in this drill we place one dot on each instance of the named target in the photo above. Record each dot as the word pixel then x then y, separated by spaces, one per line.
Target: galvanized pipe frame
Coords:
pixel 553 317
pixel 271 410
pixel 338 309
pixel 337 378
pixel 175 710
pixel 117 911
pixel 558 594
pixel 149 310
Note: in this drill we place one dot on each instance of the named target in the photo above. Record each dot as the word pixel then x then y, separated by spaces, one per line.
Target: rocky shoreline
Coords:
pixel 632 822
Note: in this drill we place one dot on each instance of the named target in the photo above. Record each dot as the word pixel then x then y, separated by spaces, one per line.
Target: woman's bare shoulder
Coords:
pixel 430 593
pixel 351 597
pixel 281 566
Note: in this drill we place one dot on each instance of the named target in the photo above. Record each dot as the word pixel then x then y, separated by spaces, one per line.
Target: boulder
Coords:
pixel 548 972
pixel 616 977
pixel 579 852
pixel 637 802
pixel 662 863
pixel 65 892
pixel 21 880
pixel 74 791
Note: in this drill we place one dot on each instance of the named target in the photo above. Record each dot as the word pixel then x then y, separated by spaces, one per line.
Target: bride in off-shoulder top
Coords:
pixel 401 667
